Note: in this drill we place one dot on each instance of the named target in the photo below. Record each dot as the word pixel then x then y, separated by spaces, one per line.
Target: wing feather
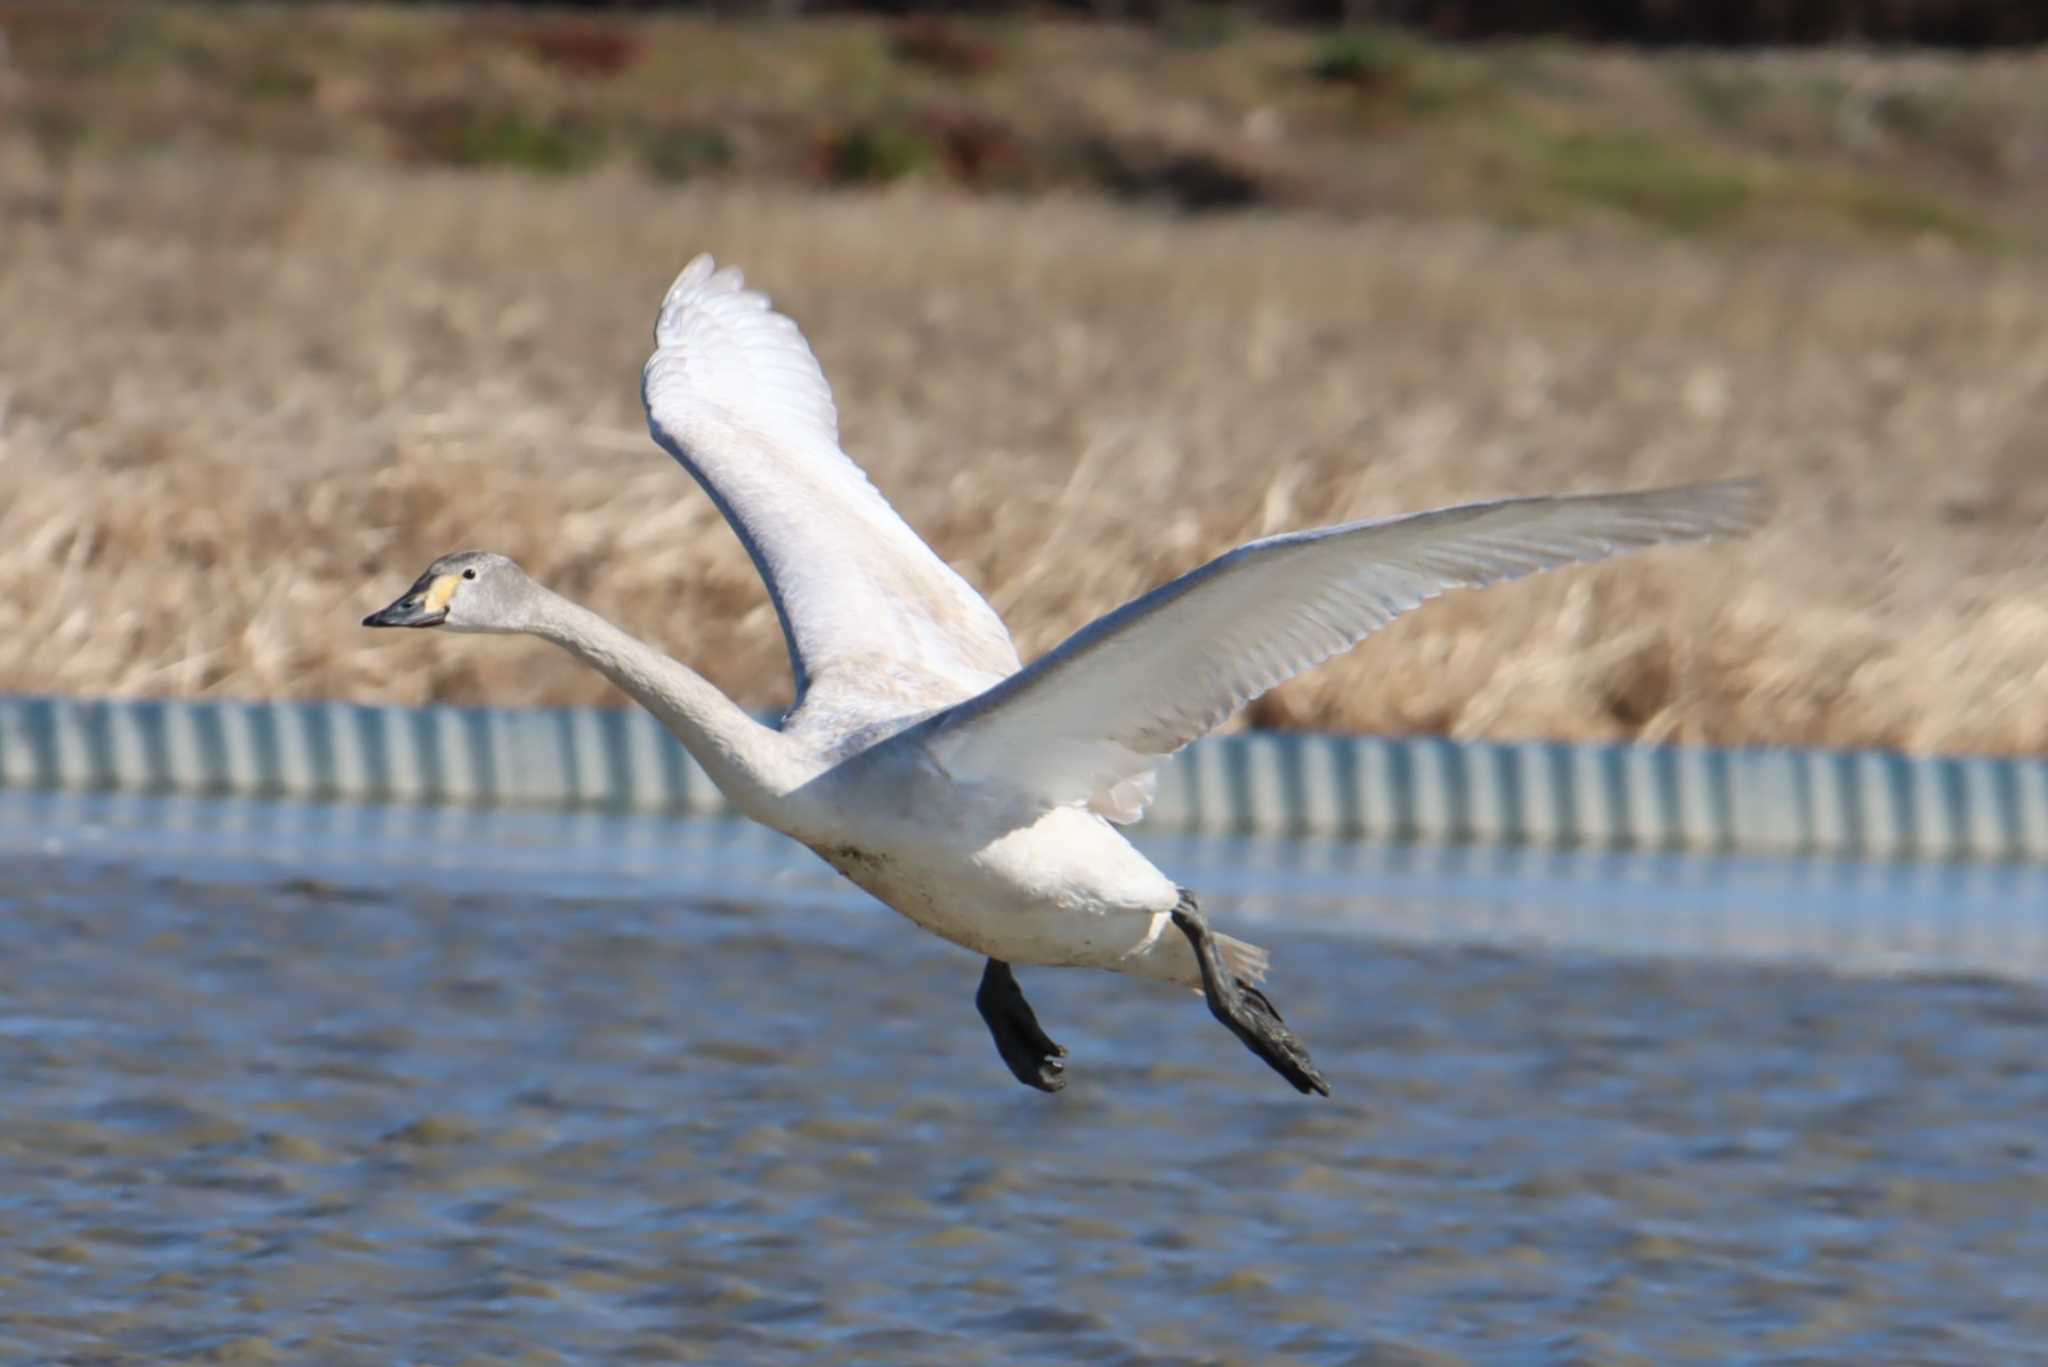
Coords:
pixel 1092 717
pixel 734 393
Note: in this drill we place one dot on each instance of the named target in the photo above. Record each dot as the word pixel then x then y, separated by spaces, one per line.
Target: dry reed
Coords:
pixel 242 402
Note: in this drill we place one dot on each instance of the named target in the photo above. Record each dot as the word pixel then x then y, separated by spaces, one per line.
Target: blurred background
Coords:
pixel 300 297
pixel 295 298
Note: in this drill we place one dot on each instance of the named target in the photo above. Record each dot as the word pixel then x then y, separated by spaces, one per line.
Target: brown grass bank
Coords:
pixel 242 402
pixel 1204 111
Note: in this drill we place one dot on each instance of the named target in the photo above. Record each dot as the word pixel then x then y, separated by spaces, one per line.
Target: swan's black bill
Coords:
pixel 406 612
pixel 420 607
pixel 425 604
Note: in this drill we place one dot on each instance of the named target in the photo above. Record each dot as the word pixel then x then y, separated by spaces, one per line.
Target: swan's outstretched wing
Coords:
pixel 1098 712
pixel 734 393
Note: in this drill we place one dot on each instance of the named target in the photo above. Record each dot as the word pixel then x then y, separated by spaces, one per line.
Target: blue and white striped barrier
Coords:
pixel 1862 804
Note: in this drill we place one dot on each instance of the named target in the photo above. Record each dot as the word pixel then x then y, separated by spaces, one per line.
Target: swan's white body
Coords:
pixel 974 796
pixel 1010 880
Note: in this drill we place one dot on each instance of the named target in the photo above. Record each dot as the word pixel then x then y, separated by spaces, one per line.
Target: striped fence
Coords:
pixel 1854 804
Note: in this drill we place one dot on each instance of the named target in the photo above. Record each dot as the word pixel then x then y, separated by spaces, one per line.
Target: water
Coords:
pixel 325 1085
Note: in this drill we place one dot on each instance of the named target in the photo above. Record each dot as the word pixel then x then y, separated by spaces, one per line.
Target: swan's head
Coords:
pixel 466 591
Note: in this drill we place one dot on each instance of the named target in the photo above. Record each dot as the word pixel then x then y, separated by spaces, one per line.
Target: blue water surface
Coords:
pixel 305 1083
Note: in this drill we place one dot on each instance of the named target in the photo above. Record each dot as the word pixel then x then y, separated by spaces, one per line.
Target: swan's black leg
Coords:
pixel 1032 1056
pixel 1244 1008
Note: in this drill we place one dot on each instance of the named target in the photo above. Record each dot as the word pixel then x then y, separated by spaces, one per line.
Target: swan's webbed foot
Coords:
pixel 1031 1054
pixel 1244 1008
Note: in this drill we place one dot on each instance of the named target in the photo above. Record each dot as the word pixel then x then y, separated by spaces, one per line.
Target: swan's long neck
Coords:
pixel 752 764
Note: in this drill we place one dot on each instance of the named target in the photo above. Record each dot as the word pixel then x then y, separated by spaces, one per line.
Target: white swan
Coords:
pixel 974 796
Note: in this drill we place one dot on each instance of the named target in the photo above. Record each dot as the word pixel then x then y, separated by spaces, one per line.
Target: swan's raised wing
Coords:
pixel 1093 716
pixel 734 393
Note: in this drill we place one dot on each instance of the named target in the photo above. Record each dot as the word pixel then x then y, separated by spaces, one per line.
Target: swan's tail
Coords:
pixel 1169 959
pixel 1246 962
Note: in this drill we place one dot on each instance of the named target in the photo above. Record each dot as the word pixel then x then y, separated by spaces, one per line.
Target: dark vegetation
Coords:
pixel 1204 110
pixel 1939 23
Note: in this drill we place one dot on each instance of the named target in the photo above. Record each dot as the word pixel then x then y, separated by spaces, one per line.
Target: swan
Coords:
pixel 921 759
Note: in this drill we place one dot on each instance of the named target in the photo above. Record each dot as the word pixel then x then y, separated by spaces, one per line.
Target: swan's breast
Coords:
pixel 884 876
pixel 860 865
pixel 952 899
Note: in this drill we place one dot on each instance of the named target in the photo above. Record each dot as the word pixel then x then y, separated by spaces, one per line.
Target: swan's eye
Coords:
pixel 469 573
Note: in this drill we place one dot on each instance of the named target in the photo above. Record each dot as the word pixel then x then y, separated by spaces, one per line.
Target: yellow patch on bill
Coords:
pixel 440 591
